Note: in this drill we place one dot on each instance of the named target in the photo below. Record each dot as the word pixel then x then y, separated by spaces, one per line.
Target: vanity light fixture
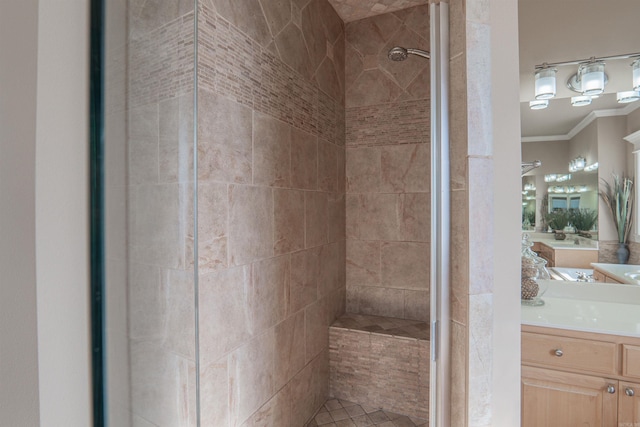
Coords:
pixel 577 164
pixel 539 104
pixel 591 167
pixel 583 188
pixel 550 177
pixel 563 178
pixel 545 86
pixel 580 100
pixel 589 80
pixel 628 96
pixel 529 186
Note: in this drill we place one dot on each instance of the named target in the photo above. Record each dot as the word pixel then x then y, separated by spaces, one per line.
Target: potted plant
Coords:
pixel 583 220
pixel 558 220
pixel 619 199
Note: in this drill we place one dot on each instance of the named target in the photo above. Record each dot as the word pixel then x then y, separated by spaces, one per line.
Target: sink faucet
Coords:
pixel 584 277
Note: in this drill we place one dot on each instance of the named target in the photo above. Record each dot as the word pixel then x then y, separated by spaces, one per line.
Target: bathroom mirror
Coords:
pixel 552 31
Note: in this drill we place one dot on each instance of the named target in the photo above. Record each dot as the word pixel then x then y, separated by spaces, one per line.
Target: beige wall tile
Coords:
pixel 458 124
pixel 315 218
pixel 179 326
pixel 375 301
pixel 290 348
pixel 327 166
pixel 459 263
pixel 224 139
pixel 330 269
pixel 268 299
pixel 251 376
pixel 479 110
pixel 310 389
pixel 213 211
pixel 415 217
pixel 224 321
pixel 304 278
pixel 363 169
pixel 377 216
pixel 304 160
pixel 250 224
pixel 316 318
pixel 405 265
pixel 215 394
pixel 417 305
pixel 481 236
pixel 289 220
pixel 271 151
pixel 246 15
pixel 363 263
pixel 147 302
pixel 459 371
pixel 336 217
pixel 276 412
pixel 405 168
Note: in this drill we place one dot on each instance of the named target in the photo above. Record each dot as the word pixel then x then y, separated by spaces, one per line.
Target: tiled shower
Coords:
pixel 305 197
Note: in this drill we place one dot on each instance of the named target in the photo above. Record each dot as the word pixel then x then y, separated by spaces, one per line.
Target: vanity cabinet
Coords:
pixel 565 257
pixel 602 277
pixel 572 378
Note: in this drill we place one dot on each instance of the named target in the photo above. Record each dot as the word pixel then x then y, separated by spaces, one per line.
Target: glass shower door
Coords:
pixel 145 365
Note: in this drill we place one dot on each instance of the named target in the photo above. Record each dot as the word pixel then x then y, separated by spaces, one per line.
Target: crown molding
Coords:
pixel 585 122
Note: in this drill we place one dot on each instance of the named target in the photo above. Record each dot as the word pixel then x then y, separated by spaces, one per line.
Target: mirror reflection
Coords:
pixel 579 142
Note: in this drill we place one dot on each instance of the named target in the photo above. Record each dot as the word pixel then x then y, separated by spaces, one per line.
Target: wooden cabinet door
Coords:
pixel 552 399
pixel 629 404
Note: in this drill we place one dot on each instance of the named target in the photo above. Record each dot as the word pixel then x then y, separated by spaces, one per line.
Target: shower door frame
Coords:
pixel 440 366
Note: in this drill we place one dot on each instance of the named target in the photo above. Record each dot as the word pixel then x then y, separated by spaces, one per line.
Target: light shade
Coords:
pixel 579 101
pixel 592 78
pixel 628 96
pixel 636 74
pixel 539 104
pixel 545 83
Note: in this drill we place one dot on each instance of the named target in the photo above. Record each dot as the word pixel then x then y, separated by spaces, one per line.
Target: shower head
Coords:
pixel 400 53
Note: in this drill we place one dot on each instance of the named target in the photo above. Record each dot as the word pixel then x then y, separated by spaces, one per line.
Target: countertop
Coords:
pixel 569 243
pixel 626 273
pixel 589 307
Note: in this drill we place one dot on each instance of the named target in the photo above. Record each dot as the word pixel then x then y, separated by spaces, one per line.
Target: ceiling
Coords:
pixel 352 10
pixel 564 30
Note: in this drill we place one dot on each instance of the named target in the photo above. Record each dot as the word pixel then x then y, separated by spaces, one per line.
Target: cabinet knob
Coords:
pixel 611 389
pixel 558 352
pixel 629 392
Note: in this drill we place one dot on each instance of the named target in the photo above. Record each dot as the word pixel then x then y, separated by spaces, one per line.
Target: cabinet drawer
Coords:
pixel 631 361
pixel 573 353
pixel 598 276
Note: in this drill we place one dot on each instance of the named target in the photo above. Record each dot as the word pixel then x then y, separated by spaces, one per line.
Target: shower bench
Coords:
pixel 382 361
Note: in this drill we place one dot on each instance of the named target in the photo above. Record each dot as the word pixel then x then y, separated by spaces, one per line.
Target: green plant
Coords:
pixel 558 220
pixel 583 219
pixel 619 199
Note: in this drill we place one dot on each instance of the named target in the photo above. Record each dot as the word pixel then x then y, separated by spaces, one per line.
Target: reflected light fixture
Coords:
pixel 577 164
pixel 636 74
pixel 580 101
pixel 550 177
pixel 591 168
pixel 539 104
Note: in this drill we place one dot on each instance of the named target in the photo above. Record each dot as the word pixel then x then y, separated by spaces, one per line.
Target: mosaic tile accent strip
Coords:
pixel 239 68
pixel 385 368
pixel 389 124
pixel 342 413
pixel 161 62
pixel 352 10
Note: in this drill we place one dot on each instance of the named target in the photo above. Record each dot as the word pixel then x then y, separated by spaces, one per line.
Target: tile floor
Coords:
pixel 341 413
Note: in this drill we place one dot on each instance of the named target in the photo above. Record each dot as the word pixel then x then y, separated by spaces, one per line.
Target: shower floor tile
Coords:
pixel 341 413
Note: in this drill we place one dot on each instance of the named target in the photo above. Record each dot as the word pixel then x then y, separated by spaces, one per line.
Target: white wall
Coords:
pixel 44 340
pixel 62 213
pixel 507 204
pixel 18 339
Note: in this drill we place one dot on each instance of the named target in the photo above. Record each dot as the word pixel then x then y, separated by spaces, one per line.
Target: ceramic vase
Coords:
pixel 622 253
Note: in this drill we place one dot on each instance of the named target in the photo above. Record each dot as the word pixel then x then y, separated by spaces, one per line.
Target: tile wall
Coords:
pixel 388 166
pixel 472 169
pixel 271 212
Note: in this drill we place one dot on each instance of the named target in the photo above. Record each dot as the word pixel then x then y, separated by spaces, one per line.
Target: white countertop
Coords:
pixel 589 307
pixel 569 243
pixel 626 273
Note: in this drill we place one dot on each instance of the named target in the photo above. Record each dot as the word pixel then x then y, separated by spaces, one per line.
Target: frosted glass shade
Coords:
pixel 539 104
pixel 592 78
pixel 545 83
pixel 636 74
pixel 579 101
pixel 628 96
